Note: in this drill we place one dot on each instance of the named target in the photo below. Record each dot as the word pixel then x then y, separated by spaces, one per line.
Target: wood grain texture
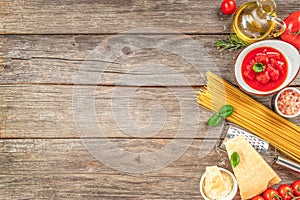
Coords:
pixel 61 102
pixel 63 59
pixel 64 169
pixel 67 156
pixel 59 169
pixel 48 111
pixel 60 59
pixel 106 16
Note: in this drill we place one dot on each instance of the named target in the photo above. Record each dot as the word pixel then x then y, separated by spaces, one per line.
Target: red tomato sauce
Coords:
pixel 274 71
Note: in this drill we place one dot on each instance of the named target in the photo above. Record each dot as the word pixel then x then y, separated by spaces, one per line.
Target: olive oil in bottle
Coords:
pixel 254 21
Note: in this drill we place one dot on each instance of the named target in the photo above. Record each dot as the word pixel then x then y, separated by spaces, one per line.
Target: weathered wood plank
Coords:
pixel 58 168
pixel 59 59
pixel 64 156
pixel 64 60
pixel 64 169
pixel 97 186
pixel 48 111
pixel 58 111
pixel 67 17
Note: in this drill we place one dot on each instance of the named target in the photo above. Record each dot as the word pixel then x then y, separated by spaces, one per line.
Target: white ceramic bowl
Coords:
pixel 231 194
pixel 276 101
pixel 290 53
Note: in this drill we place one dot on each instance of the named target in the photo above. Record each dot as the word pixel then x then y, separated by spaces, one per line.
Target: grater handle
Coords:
pixel 288 164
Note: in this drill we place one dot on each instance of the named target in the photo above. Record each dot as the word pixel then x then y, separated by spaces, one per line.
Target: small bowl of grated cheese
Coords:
pixel 218 183
pixel 287 102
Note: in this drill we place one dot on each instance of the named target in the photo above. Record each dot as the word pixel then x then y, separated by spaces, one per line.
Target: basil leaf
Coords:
pixel 214 120
pixel 258 67
pixel 234 159
pixel 226 111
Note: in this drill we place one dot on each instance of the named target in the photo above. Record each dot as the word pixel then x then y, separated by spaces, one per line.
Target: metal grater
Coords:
pixel 261 146
pixel 230 131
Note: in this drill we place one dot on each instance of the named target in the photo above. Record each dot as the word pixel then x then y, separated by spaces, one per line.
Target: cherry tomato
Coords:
pixel 258 198
pixel 296 187
pixel 271 194
pixel 228 6
pixel 285 191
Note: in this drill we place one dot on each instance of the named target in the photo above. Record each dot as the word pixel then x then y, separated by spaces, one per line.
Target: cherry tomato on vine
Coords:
pixel 271 194
pixel 258 198
pixel 296 187
pixel 285 191
pixel 228 6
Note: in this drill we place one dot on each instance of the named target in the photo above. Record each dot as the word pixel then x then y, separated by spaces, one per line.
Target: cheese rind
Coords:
pixel 253 174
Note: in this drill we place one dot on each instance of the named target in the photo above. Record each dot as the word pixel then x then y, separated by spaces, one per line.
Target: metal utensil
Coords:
pixel 261 146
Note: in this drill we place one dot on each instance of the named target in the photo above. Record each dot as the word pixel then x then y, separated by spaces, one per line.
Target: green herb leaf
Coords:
pixel 226 111
pixel 234 159
pixel 258 67
pixel 233 42
pixel 214 120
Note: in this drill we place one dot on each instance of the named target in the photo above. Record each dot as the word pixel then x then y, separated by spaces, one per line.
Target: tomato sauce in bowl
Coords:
pixel 264 68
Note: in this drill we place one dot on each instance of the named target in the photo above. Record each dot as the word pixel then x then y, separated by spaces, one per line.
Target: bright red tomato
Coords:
pixel 258 198
pixel 228 6
pixel 296 187
pixel 271 194
pixel 292 32
pixel 285 191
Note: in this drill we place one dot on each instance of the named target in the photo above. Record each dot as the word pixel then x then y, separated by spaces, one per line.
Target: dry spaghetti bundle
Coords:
pixel 251 115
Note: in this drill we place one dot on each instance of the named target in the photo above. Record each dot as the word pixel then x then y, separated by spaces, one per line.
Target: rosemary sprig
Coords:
pixel 232 43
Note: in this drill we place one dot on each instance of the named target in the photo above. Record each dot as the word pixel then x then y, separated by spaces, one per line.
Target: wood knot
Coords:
pixel 4 67
pixel 138 159
pixel 126 50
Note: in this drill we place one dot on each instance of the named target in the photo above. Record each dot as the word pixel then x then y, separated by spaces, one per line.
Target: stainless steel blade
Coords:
pixel 230 131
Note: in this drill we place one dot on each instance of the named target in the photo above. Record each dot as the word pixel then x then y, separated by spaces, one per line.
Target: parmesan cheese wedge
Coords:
pixel 253 174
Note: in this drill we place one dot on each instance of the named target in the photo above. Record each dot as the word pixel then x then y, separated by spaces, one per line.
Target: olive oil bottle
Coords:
pixel 254 21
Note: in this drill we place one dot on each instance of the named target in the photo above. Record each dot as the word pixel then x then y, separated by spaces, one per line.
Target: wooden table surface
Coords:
pixel 94 104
